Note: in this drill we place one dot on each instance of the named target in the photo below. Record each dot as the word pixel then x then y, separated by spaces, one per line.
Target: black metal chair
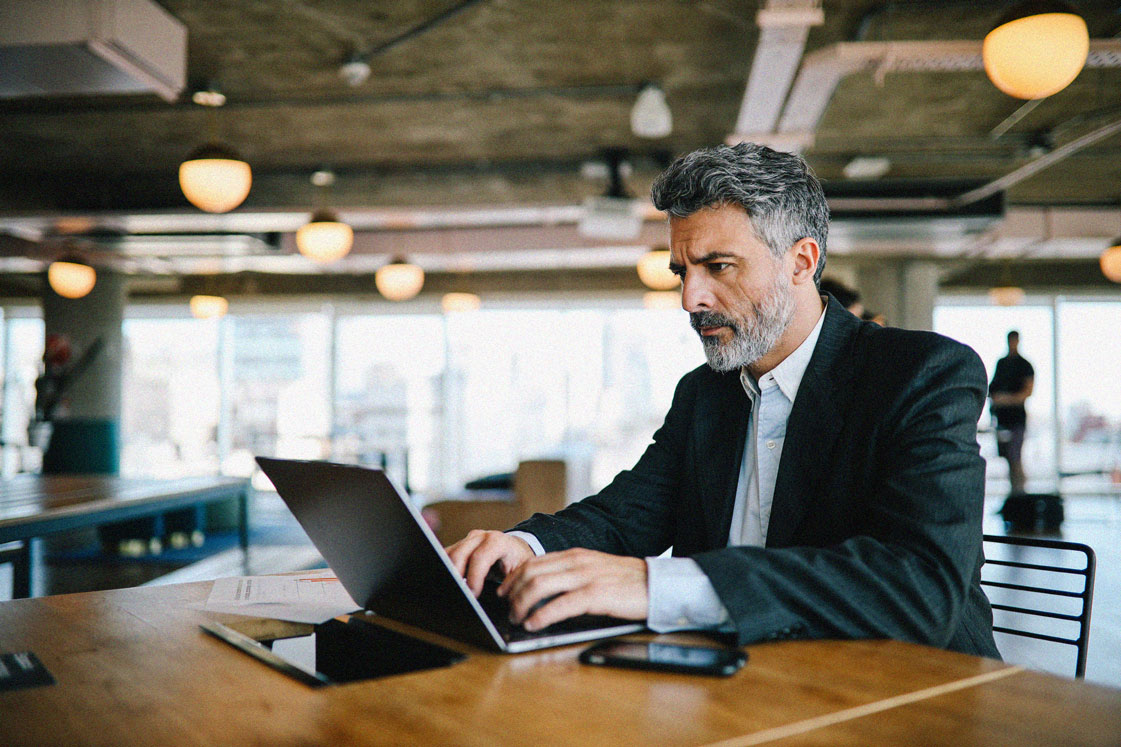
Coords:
pixel 1060 592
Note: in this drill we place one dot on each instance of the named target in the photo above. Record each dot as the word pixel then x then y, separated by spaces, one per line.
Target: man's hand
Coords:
pixel 474 555
pixel 575 582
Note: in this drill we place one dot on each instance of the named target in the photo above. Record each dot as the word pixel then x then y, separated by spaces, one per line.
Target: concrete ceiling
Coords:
pixel 501 106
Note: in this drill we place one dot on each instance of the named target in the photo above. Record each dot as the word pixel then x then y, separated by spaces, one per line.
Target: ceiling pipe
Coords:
pixel 1034 167
pixel 784 26
pixel 822 71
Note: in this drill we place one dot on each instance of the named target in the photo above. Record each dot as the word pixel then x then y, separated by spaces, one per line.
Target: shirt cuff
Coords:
pixel 529 539
pixel 682 598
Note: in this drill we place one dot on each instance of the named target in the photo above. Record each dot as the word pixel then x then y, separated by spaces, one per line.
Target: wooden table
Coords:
pixel 132 667
pixel 32 506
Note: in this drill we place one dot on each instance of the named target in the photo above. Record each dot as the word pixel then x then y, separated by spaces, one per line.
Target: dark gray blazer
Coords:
pixel 875 529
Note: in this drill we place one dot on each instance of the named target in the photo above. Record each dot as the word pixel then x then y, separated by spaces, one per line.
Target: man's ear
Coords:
pixel 806 254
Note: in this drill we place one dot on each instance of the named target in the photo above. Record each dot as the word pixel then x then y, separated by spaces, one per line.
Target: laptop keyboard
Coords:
pixel 498 610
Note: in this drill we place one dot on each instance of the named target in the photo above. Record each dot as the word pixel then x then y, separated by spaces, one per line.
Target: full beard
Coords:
pixel 754 334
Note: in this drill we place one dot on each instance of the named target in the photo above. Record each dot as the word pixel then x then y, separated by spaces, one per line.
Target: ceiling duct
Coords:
pixel 823 70
pixel 79 47
pixel 211 244
pixel 783 28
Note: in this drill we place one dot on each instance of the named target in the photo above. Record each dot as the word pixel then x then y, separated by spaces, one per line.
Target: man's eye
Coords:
pixel 718 266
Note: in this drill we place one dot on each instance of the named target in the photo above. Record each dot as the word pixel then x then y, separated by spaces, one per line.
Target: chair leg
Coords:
pixel 19 555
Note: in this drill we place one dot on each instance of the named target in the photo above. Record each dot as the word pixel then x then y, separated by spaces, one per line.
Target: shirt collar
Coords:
pixel 787 374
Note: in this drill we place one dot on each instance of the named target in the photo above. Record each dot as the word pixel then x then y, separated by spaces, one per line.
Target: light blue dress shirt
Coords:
pixel 681 597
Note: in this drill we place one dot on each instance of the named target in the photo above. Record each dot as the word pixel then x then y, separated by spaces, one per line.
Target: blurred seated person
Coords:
pixel 875 317
pixel 846 296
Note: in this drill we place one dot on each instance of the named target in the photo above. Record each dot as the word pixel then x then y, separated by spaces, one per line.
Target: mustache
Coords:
pixel 699 319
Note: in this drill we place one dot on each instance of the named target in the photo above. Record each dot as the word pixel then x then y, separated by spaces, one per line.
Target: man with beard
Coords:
pixel 819 477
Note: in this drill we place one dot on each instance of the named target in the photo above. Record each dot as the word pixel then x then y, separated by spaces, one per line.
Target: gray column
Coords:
pixel 878 283
pixel 919 290
pixel 903 290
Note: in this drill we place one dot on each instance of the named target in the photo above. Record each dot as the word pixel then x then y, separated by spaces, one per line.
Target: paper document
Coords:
pixel 308 598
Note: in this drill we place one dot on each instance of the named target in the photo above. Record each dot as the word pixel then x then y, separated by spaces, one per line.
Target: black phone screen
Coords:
pixel 669 657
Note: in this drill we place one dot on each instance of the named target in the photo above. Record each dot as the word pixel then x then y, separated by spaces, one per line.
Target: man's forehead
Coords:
pixel 727 228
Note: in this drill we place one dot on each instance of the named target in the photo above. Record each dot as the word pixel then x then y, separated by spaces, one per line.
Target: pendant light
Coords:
pixel 325 238
pixel 70 277
pixel 399 280
pixel 654 272
pixel 1111 261
pixel 1036 50
pixel 213 177
pixel 208 307
pixel 1006 295
pixel 457 303
pixel 651 116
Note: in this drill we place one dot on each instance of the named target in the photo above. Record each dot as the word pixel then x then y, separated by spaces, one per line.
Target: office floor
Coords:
pixel 278 544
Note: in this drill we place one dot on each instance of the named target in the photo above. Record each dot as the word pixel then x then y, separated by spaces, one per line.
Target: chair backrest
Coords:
pixel 539 486
pixel 1041 589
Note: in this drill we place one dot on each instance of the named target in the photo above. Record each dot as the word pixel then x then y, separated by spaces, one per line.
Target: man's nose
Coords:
pixel 695 294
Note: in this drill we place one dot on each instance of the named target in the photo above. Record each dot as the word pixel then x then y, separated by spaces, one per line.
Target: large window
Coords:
pixel 444 398
pixel 1074 413
pixel 277 374
pixel 389 395
pixel 23 357
pixel 460 396
pixel 646 352
pixel 526 382
pixel 1089 387
pixel 439 399
pixel 170 398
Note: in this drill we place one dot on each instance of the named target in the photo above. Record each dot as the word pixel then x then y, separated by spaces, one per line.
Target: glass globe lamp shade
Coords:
pixel 651 116
pixel 1036 51
pixel 1111 261
pixel 399 280
pixel 71 279
pixel 215 179
pixel 208 307
pixel 453 303
pixel 1006 295
pixel 325 238
pixel 654 272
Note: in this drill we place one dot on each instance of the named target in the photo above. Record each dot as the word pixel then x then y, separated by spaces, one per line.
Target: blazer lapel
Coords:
pixel 721 425
pixel 815 420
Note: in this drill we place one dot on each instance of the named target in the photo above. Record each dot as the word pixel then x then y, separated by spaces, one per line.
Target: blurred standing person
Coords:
pixel 1012 384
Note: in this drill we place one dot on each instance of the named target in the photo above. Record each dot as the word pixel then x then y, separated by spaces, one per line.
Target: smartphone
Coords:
pixel 665 657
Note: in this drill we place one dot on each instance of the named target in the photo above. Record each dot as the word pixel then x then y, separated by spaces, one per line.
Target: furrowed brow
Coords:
pixel 714 255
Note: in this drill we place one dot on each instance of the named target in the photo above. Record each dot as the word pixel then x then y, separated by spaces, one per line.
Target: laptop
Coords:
pixel 390 562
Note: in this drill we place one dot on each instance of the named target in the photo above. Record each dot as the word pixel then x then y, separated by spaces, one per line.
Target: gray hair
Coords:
pixel 778 190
